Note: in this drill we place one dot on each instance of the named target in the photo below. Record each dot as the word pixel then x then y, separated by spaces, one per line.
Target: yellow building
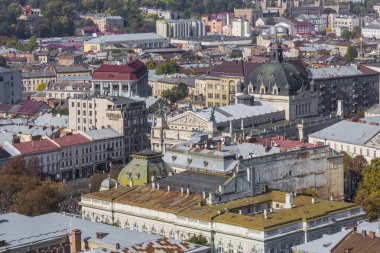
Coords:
pixel 146 166
pixel 221 84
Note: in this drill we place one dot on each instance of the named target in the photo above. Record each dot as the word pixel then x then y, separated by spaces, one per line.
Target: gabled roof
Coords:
pixel 233 68
pixel 132 71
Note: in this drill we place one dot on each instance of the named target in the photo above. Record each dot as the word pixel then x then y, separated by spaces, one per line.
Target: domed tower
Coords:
pixel 277 77
pixel 284 84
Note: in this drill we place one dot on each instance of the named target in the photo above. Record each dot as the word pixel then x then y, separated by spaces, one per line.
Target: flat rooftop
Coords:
pixel 188 206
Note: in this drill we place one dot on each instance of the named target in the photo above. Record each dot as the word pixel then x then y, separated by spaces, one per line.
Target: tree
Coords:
pixel 96 180
pixel 199 239
pixel 168 67
pixel 356 32
pixel 346 34
pixel 3 62
pixel 150 64
pixel 32 43
pixel 176 93
pixel 352 53
pixel 33 168
pixel 353 168
pixel 368 194
pixel 14 166
pixel 235 54
pixel 41 87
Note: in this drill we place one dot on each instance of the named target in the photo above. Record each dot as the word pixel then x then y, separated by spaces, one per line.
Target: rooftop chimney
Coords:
pixel 117 246
pixel 371 235
pixel 313 200
pixel 168 188
pixel 332 198
pixel 187 191
pixel 364 233
pixel 182 190
pixel 288 200
pixel 219 145
pixel 76 241
pixel 265 214
pixel 158 186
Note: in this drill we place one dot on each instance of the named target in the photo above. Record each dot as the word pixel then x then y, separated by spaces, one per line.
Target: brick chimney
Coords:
pixel 76 241
pixel 219 146
pixel 371 235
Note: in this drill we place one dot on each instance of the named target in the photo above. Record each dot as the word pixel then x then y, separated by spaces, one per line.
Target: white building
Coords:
pixel 269 222
pixel 241 28
pixel 371 31
pixel 10 86
pixel 180 28
pixel 341 23
pixel 355 137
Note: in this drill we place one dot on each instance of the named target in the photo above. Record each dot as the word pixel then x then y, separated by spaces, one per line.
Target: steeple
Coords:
pixel 276 52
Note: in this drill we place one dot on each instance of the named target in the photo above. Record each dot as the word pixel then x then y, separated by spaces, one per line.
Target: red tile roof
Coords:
pixel 279 143
pixel 72 139
pixel 30 107
pixel 233 68
pixel 33 147
pixel 132 71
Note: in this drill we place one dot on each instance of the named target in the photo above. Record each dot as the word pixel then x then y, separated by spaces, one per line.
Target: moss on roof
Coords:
pixel 188 206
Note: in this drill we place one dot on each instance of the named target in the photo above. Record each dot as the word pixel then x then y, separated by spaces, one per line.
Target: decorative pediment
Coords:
pixel 187 119
pixel 304 95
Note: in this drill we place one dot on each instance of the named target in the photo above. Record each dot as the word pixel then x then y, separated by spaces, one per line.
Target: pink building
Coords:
pixel 215 22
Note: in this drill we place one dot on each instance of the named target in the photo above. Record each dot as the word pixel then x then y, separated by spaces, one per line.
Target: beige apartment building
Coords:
pixel 30 80
pixel 125 115
pixel 168 83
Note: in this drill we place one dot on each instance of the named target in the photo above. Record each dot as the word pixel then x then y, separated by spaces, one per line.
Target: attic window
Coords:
pixel 129 174
pixel 189 160
pixel 205 163
pixel 137 175
pixel 174 157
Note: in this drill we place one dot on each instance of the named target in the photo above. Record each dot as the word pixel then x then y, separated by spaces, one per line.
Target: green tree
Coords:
pixel 235 54
pixel 150 64
pixel 353 169
pixel 199 239
pixel 346 34
pixel 41 87
pixel 3 62
pixel 368 194
pixel 352 53
pixel 168 67
pixel 32 43
pixel 356 32
pixel 176 93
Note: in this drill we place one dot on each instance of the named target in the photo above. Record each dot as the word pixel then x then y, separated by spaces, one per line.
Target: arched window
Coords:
pixel 240 249
pixel 153 230
pixel 144 229
pixel 162 232
pixel 172 234
pixel 230 248
pixel 136 227
pixel 220 247
pixel 126 224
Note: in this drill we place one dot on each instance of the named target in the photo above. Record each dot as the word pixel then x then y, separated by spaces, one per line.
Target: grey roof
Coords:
pixel 324 244
pixel 74 78
pixel 238 111
pixel 349 132
pixel 247 149
pixel 69 69
pixel 329 72
pixel 48 119
pixel 374 109
pixel 118 38
pixel 19 230
pixel 101 134
pixel 195 181
pixel 37 74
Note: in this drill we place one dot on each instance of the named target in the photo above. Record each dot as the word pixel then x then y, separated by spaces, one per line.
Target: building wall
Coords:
pixel 10 86
pixel 222 237
pixel 30 84
pixel 180 28
pixel 286 172
pixel 97 113
pixel 360 91
pixel 125 88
